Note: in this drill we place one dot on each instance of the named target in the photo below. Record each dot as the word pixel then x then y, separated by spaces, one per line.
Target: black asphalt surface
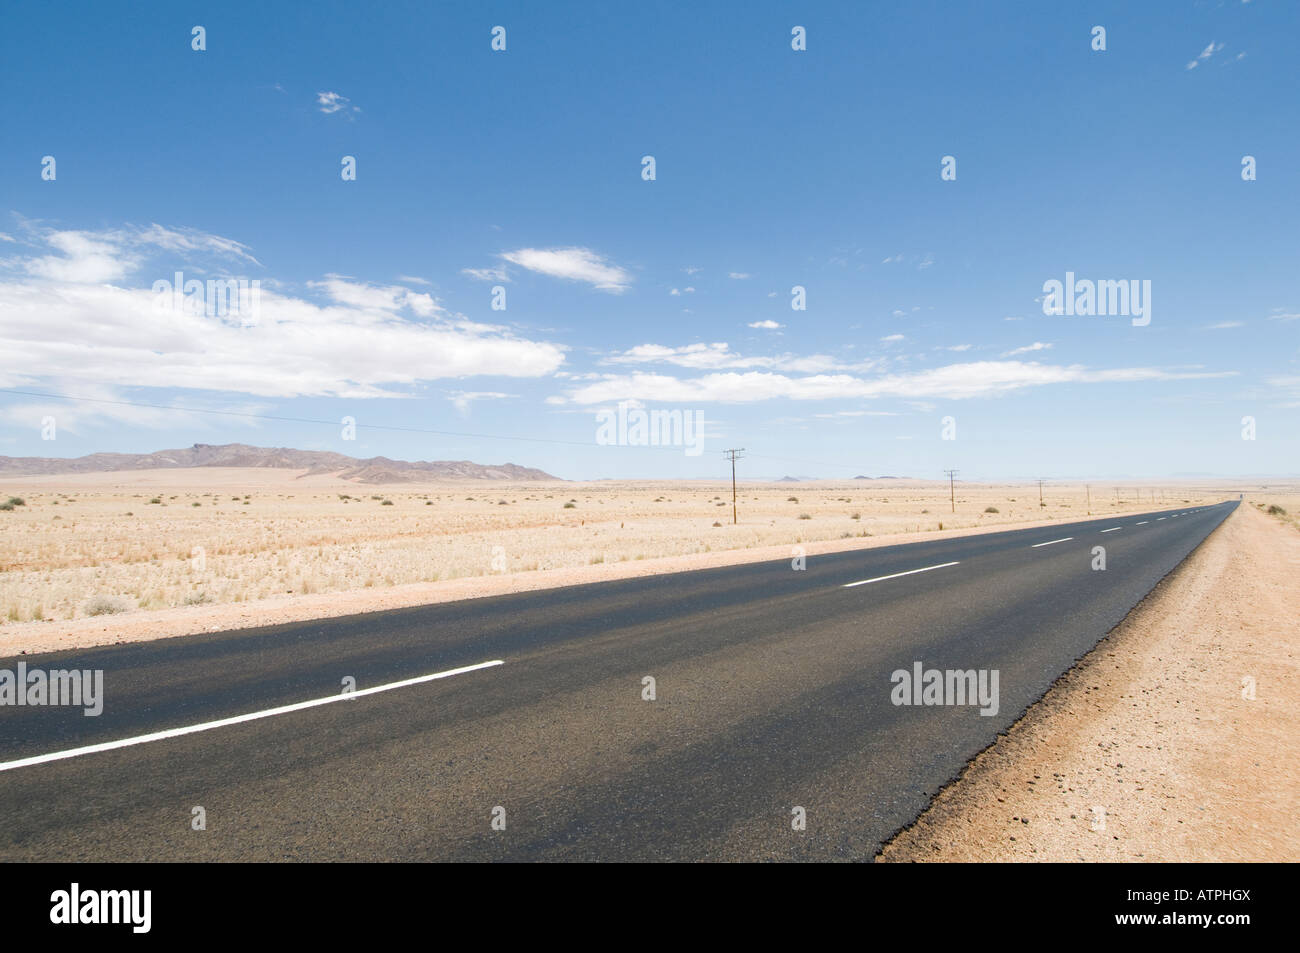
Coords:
pixel 772 686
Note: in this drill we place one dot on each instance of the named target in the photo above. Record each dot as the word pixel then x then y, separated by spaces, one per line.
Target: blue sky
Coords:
pixel 775 168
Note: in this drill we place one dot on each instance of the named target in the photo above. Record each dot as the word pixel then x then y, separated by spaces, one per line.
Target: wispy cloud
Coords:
pixel 768 325
pixel 333 103
pixel 573 264
pixel 486 274
pixel 1205 54
pixel 462 399
pixel 954 382
pixel 1028 348
pixel 719 355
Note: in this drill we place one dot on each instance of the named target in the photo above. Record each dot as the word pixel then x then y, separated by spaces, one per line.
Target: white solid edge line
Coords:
pixel 1143 523
pixel 850 585
pixel 1112 529
pixel 1159 518
pixel 1064 539
pixel 238 719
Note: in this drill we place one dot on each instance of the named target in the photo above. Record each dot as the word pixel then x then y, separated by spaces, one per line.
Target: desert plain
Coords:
pixel 161 552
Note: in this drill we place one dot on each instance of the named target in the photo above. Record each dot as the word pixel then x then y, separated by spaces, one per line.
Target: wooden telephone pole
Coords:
pixel 952 493
pixel 733 456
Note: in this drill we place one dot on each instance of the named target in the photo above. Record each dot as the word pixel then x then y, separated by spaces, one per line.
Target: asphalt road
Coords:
pixel 772 692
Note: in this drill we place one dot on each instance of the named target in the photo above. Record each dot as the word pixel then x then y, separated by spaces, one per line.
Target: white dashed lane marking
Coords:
pixel 910 572
pixel 240 719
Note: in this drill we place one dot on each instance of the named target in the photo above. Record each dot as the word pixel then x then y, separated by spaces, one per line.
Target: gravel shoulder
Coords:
pixel 1173 740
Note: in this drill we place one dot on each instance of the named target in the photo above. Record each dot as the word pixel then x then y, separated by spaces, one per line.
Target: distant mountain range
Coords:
pixel 373 470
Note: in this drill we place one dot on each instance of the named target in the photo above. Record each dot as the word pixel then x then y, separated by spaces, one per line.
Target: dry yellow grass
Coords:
pixel 87 544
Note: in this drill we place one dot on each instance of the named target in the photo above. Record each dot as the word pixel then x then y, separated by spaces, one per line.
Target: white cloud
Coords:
pixel 768 325
pixel 1028 348
pixel 1224 325
pixel 377 297
pixel 74 321
pixel 738 275
pixel 719 355
pixel 331 103
pixel 1205 54
pixel 112 255
pixel 486 274
pixel 859 413
pixel 462 399
pixel 892 337
pixel 954 382
pixel 573 264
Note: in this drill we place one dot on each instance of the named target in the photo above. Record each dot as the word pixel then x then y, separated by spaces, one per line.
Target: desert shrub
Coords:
pixel 570 506
pixel 17 501
pixel 804 516
pixel 1275 510
pixel 106 605
pixel 991 509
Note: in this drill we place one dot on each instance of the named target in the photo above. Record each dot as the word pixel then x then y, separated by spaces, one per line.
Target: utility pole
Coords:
pixel 1040 493
pixel 952 493
pixel 733 455
pixel 1088 490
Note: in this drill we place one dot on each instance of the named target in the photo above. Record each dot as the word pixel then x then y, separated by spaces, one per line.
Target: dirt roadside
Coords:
pixel 1152 748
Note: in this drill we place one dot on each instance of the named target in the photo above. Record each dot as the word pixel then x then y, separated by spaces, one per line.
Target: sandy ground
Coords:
pixel 50 636
pixel 1174 740
pixel 99 558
